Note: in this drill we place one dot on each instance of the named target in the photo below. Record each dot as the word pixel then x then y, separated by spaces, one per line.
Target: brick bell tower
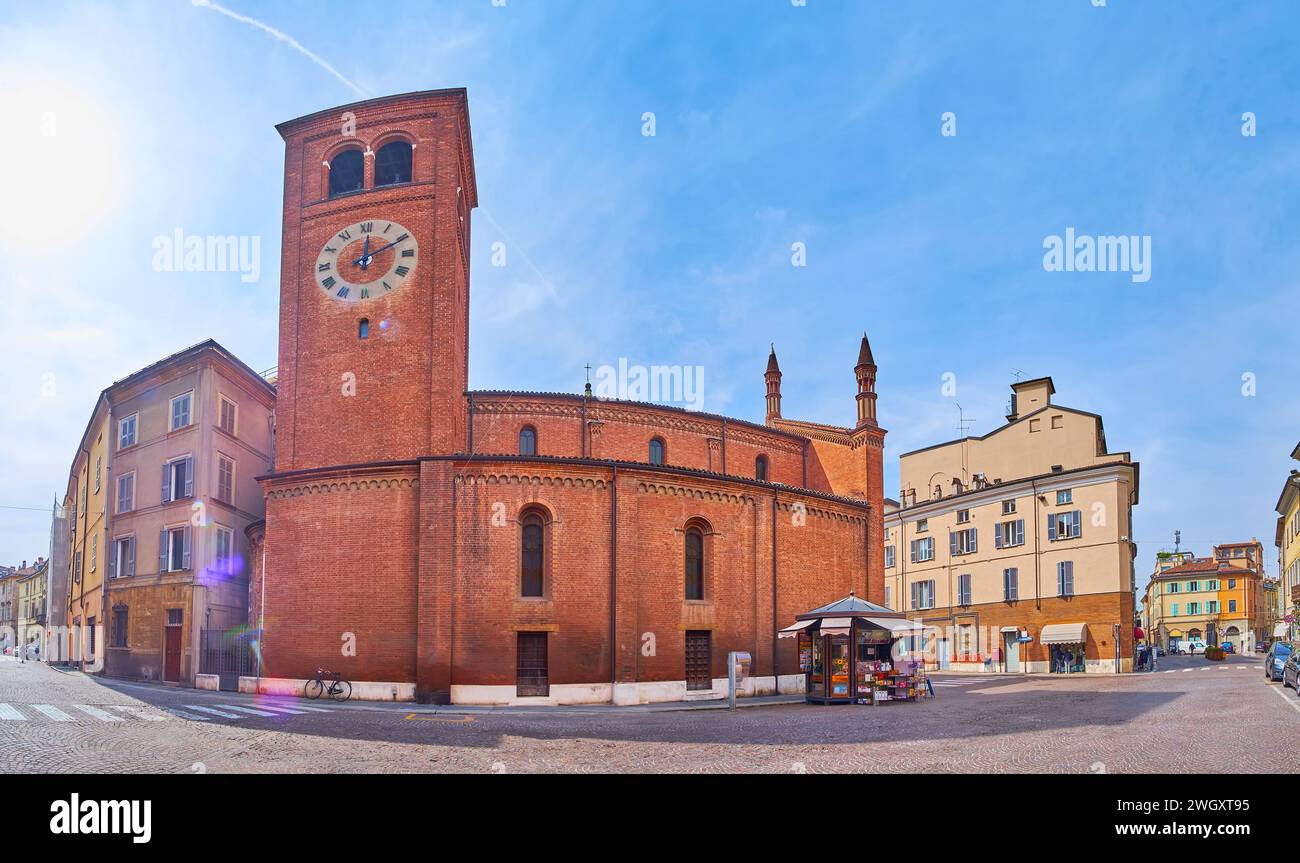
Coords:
pixel 869 439
pixel 772 377
pixel 374 281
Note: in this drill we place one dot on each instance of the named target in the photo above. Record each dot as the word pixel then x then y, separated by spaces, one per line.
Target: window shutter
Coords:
pixel 1078 523
pixel 997 536
pixel 952 543
pixel 162 550
pixel 112 560
pixel 167 482
pixel 185 555
pixel 130 556
pixel 189 483
pixel 974 540
pixel 1051 525
pixel 1020 531
pixel 913 551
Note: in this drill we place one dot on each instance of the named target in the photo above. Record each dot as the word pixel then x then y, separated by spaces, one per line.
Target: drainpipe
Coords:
pixel 613 581
pixel 1038 599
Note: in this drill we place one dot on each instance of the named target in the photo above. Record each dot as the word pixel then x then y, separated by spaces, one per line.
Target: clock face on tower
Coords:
pixel 366 260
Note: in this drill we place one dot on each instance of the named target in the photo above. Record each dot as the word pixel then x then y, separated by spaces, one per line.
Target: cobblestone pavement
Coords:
pixel 1190 715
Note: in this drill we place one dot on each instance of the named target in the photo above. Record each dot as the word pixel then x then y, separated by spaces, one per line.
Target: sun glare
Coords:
pixel 62 172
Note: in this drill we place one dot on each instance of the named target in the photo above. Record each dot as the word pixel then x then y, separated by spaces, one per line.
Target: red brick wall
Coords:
pixel 413 370
pixel 623 433
pixel 441 605
pixel 341 557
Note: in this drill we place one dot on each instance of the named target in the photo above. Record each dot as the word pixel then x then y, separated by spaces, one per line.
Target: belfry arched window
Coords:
pixel 528 441
pixel 347 173
pixel 393 164
pixel 657 451
pixel 760 468
pixel 694 562
pixel 532 557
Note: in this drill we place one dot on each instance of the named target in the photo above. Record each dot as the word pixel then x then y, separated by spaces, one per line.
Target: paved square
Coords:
pixel 1191 715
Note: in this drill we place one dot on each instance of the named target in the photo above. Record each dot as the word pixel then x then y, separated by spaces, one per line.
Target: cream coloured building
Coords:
pixel 1016 546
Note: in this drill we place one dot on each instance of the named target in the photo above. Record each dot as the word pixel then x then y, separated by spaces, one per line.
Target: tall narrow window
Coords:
pixel 180 407
pixel 1065 578
pixel 126 431
pixel 656 451
pixel 363 329
pixel 393 164
pixel 694 563
pixel 347 172
pixel 119 626
pixel 1010 584
pixel 126 492
pixel 528 441
pixel 226 415
pixel 225 562
pixel 225 479
pixel 532 581
pixel 760 468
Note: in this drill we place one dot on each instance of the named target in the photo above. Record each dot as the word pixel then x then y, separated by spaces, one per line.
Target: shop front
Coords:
pixel 1066 644
pixel 847 654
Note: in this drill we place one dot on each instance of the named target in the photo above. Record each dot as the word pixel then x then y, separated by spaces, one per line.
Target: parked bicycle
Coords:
pixel 329 683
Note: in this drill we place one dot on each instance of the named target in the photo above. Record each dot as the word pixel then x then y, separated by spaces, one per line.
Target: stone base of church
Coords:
pixel 561 694
pixel 362 690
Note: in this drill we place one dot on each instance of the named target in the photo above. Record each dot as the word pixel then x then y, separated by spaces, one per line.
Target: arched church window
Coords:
pixel 656 451
pixel 393 164
pixel 528 441
pixel 694 563
pixel 532 581
pixel 347 172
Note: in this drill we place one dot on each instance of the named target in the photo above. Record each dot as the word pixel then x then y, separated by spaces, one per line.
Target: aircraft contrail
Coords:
pixel 283 37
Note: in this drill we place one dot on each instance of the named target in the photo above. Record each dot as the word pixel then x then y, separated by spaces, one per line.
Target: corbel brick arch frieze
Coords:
pixel 333 486
pixel 693 492
pixel 530 479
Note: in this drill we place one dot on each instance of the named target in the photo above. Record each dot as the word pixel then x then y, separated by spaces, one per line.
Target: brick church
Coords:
pixel 437 543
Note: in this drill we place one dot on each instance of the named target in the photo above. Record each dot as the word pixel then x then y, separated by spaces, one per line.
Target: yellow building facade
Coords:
pixel 1014 548
pixel 1217 599
pixel 85 503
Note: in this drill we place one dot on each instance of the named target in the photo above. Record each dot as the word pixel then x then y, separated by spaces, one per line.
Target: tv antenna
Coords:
pixel 1017 373
pixel 963 424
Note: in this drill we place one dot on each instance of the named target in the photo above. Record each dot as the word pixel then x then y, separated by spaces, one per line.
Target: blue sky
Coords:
pixel 775 124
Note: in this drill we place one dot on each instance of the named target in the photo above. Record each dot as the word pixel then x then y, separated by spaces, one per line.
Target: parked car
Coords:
pixel 1160 651
pixel 1291 672
pixel 1261 647
pixel 1275 659
pixel 1195 646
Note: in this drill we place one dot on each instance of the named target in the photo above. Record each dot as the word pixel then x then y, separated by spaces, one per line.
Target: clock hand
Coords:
pixel 365 254
pixel 381 249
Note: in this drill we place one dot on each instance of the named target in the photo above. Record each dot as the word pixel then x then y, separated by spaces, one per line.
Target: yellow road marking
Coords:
pixel 459 720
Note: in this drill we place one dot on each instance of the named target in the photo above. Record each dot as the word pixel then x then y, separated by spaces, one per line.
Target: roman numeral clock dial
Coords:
pixel 366 261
